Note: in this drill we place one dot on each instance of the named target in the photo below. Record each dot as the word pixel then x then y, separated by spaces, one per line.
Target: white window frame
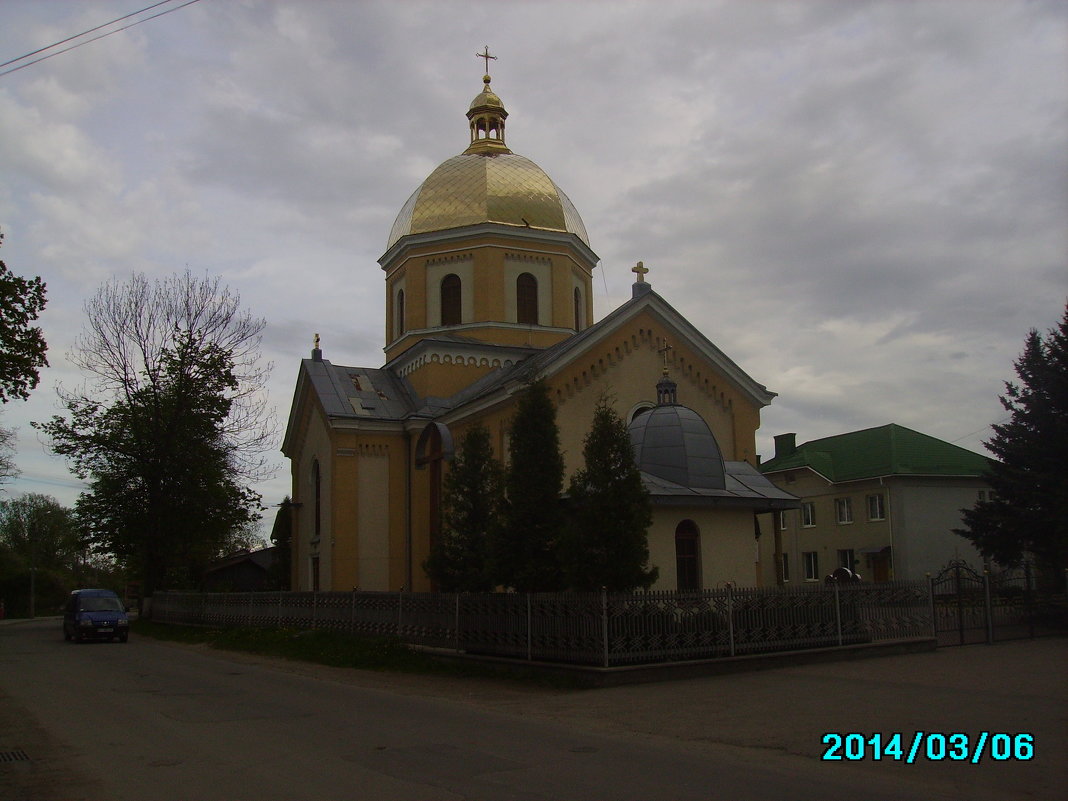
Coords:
pixel 808 514
pixel 843 511
pixel 879 501
pixel 811 561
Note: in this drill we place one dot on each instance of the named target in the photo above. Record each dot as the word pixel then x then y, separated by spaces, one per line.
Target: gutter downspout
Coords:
pixel 407 509
pixel 890 526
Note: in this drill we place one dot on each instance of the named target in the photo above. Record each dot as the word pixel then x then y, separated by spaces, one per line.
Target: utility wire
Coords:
pixel 981 430
pixel 95 38
pixel 83 33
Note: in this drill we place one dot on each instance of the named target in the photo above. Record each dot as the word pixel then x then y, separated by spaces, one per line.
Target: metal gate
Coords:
pixel 970 607
pixel 960 601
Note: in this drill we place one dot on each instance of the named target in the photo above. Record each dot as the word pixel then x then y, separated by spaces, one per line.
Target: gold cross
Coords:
pixel 665 350
pixel 641 270
pixel 486 55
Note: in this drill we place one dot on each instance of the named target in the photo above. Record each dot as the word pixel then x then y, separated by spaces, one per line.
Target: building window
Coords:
pixel 785 567
pixel 843 510
pixel 876 508
pixel 688 556
pixel 526 299
pixel 399 325
pixel 450 299
pixel 982 496
pixel 812 565
pixel 808 514
pixel 847 558
pixel 578 309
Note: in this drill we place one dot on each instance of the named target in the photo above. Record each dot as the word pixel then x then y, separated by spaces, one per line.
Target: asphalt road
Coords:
pixel 148 720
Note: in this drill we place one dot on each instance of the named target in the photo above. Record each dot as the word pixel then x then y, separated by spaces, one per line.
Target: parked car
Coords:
pixel 95 614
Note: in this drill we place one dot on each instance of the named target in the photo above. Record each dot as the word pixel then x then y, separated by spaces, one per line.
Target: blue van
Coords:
pixel 95 614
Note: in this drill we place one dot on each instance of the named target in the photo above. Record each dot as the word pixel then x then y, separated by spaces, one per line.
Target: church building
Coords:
pixel 488 287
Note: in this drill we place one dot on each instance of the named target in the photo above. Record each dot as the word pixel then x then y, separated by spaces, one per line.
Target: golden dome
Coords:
pixel 487 183
pixel 475 188
pixel 486 98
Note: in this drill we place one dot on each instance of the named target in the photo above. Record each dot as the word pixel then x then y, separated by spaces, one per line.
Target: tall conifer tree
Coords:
pixel 1027 512
pixel 459 561
pixel 607 544
pixel 525 547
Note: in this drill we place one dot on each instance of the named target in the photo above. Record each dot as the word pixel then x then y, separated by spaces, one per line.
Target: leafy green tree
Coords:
pixel 169 438
pixel 38 536
pixel 525 549
pixel 473 491
pixel 1027 513
pixel 610 512
pixel 22 346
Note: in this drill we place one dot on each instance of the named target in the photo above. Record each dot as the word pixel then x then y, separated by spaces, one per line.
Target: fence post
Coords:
pixel 457 623
pixel 530 642
pixel 249 613
pixel 315 609
pixel 931 603
pixel 838 613
pixel 989 608
pixel 730 616
pixel 279 622
pixel 400 611
pixel 1030 599
pixel 604 623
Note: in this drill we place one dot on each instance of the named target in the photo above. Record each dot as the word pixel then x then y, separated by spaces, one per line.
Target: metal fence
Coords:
pixel 604 629
pixel 972 607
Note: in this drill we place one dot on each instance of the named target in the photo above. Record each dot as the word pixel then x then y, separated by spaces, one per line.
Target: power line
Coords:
pixel 95 38
pixel 981 430
pixel 83 33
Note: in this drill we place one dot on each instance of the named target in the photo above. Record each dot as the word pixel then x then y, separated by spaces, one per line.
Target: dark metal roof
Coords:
pixel 744 487
pixel 675 443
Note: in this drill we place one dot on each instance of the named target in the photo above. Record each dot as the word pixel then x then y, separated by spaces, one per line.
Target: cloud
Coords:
pixel 862 203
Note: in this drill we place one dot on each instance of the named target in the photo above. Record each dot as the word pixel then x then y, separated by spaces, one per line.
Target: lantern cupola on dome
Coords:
pixel 487 115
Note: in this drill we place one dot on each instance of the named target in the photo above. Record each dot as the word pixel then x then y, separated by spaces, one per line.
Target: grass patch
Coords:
pixel 341 650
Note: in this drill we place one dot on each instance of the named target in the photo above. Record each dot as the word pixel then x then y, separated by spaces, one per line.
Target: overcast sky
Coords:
pixel 864 204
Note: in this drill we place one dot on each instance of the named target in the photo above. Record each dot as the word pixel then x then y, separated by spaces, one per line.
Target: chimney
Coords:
pixel 785 445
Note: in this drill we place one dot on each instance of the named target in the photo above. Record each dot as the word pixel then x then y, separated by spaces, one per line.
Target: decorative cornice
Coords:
pixel 400 248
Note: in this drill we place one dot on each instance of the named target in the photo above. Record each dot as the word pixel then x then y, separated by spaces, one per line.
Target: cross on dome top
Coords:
pixel 485 55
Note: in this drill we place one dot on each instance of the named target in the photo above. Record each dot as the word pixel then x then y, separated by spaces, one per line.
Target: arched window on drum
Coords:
pixel 450 300
pixel 526 299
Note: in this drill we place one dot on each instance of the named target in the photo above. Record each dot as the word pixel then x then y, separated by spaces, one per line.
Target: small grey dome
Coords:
pixel 675 443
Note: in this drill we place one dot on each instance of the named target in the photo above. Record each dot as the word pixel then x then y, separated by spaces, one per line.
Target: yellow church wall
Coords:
pixel 728 549
pixel 490 285
pixel 488 266
pixel 314 445
pixel 344 512
pixel 368 521
pixel 444 377
pixel 420 522
pixel 628 366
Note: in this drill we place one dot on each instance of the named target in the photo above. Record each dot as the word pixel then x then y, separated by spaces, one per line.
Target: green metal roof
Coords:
pixel 888 450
